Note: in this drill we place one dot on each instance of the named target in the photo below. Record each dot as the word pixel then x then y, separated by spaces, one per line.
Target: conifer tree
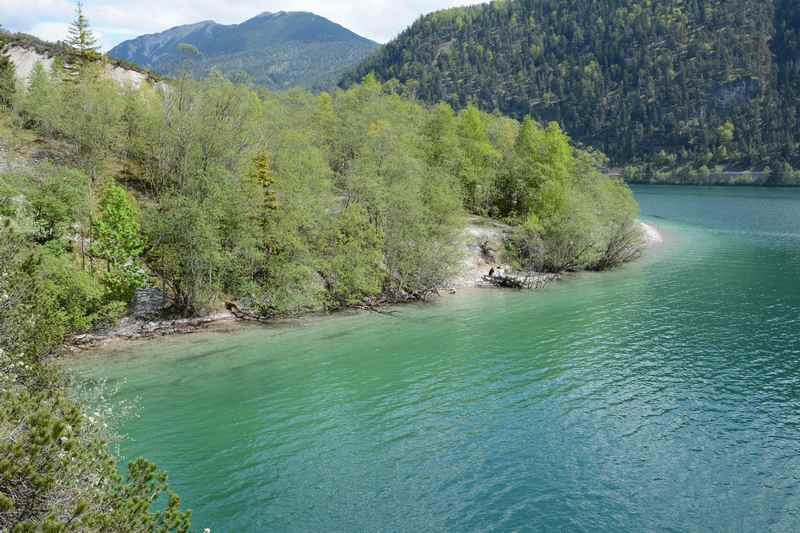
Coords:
pixel 261 173
pixel 81 37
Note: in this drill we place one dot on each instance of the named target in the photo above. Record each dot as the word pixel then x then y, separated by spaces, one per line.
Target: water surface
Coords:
pixel 661 397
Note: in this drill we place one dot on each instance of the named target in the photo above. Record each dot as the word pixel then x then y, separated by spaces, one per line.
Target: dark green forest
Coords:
pixel 673 90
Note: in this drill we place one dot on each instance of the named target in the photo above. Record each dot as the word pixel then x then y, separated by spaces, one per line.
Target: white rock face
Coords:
pixel 26 59
pixel 125 77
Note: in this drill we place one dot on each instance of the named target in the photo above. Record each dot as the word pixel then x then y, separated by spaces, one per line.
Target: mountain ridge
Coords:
pixel 278 50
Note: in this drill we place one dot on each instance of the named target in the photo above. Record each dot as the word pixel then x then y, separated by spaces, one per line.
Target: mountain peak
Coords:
pixel 277 49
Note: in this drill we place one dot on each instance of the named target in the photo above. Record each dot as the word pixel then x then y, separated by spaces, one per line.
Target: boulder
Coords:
pixel 149 304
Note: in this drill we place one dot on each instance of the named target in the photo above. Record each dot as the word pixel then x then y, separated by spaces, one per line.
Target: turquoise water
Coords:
pixel 661 397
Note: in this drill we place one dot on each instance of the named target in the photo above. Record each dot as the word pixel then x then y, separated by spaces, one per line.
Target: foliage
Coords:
pixel 91 118
pixel 56 473
pixel 660 85
pixel 117 240
pixel 81 37
pixel 299 203
pixel 185 251
pixel 58 201
pixel 8 81
pixel 352 264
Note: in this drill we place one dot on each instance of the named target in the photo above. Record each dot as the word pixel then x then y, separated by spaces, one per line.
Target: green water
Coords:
pixel 661 397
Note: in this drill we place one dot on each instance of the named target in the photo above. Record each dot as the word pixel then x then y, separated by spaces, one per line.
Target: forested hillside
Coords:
pixel 277 50
pixel 676 87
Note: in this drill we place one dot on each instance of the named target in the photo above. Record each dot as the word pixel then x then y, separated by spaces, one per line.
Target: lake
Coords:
pixel 664 396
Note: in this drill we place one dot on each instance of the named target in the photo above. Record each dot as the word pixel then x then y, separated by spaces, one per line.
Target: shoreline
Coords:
pixel 130 329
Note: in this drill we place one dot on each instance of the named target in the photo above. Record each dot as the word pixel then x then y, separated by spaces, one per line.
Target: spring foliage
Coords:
pixel 291 202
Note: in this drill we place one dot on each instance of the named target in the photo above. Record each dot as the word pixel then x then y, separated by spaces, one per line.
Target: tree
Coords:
pixel 441 140
pixel 185 250
pixel 352 258
pixel 476 168
pixel 8 79
pixel 42 106
pixel 261 174
pixel 117 240
pixel 81 37
pixel 92 118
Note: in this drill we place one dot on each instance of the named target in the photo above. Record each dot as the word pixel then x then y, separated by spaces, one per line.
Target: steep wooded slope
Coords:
pixel 674 82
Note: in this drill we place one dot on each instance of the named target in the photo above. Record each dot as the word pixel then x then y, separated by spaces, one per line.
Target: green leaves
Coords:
pixel 80 34
pixel 630 78
pixel 352 258
pixel 8 80
pixel 118 241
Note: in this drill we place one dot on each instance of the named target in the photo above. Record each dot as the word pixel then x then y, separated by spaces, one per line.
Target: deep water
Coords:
pixel 664 396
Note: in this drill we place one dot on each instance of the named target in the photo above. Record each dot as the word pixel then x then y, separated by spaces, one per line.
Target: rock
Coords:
pixel 651 234
pixel 26 57
pixel 483 241
pixel 149 304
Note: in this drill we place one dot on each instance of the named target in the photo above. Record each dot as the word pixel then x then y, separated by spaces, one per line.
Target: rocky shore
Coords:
pixel 483 240
pixel 484 245
pixel 130 328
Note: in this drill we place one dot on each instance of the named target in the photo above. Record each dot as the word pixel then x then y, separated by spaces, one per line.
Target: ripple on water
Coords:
pixel 662 397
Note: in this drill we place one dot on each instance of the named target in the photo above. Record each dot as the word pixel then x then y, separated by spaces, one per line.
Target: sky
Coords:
pixel 115 21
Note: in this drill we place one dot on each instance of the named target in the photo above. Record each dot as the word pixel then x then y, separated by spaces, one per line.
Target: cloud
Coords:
pixel 118 20
pixel 51 31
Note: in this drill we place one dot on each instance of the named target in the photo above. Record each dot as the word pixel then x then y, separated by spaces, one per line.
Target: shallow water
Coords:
pixel 661 397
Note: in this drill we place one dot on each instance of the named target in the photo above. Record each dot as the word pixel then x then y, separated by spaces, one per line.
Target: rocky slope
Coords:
pixel 26 51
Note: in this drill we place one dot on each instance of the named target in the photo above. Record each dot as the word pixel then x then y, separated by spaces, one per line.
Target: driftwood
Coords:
pixel 241 314
pixel 536 281
pixel 504 282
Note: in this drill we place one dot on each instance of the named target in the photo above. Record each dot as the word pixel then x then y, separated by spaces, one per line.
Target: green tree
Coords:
pixel 185 250
pixel 43 104
pixel 477 166
pixel 117 240
pixel 261 174
pixel 81 37
pixel 440 136
pixel 352 265
pixel 92 118
pixel 8 79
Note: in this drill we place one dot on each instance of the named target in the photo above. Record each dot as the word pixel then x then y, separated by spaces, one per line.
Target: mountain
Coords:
pixel 277 50
pixel 696 85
